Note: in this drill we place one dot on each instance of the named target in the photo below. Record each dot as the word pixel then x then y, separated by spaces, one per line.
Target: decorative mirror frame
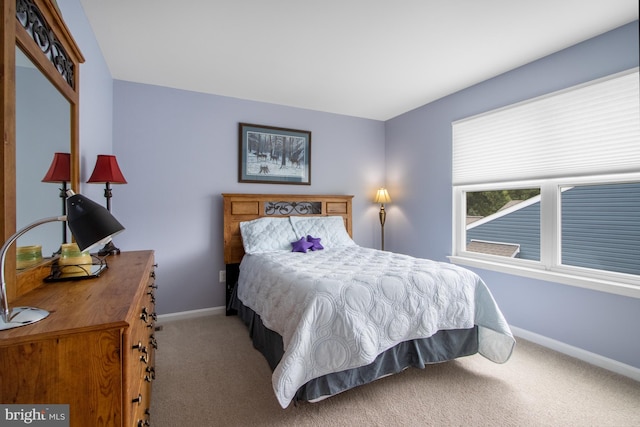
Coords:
pixel 37 27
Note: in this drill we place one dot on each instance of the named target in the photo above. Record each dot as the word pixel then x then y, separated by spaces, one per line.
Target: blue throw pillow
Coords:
pixel 315 243
pixel 301 245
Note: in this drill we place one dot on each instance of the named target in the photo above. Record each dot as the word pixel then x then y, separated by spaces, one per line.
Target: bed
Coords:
pixel 330 315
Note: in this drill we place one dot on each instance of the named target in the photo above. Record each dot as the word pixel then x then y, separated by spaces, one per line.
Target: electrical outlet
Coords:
pixel 223 276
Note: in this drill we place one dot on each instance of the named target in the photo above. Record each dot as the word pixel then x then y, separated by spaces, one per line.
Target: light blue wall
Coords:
pixel 179 152
pixel 96 97
pixel 418 152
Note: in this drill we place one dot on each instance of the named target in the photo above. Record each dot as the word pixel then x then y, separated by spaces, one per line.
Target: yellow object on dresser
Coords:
pixel 95 351
pixel 72 262
pixel 27 256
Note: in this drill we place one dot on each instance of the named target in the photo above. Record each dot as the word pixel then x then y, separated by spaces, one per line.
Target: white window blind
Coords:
pixel 589 129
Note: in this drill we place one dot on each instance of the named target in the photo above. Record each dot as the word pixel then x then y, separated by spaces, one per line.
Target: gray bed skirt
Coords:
pixel 444 345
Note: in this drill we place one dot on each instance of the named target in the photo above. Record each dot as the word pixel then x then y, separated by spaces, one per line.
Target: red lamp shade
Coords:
pixel 107 170
pixel 60 169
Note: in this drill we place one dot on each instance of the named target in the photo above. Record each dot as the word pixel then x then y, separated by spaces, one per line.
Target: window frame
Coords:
pixel 549 267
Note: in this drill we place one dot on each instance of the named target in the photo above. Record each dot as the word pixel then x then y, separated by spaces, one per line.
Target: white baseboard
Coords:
pixel 586 356
pixel 191 314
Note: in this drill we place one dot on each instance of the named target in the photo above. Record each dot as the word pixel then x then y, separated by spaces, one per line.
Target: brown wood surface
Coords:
pixel 8 151
pixel 246 207
pixel 82 353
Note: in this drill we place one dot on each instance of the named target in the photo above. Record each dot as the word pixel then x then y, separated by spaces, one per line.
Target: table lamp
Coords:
pixel 108 172
pixel 60 171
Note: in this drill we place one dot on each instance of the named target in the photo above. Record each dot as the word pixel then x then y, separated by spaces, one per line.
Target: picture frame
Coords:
pixel 274 155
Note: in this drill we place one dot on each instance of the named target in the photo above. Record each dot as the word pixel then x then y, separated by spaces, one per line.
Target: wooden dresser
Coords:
pixel 94 352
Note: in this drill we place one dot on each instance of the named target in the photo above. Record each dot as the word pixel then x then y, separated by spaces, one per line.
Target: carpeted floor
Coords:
pixel 208 374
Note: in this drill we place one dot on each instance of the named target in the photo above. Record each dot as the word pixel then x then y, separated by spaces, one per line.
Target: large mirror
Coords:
pixel 42 129
pixel 39 90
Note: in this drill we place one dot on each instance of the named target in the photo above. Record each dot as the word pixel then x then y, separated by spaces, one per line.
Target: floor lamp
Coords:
pixel 382 197
pixel 107 172
pixel 90 224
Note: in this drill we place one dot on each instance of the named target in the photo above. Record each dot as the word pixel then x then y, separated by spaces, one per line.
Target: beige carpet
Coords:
pixel 208 374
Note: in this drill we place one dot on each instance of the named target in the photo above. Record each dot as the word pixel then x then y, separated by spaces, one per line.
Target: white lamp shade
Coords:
pixel 382 196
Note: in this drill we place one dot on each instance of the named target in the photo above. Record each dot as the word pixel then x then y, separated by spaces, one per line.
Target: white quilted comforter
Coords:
pixel 339 308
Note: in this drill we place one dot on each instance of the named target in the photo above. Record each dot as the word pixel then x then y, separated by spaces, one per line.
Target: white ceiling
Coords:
pixel 366 58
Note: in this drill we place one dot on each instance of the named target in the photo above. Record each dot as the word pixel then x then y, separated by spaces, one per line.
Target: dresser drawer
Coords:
pixel 83 353
pixel 140 407
pixel 139 355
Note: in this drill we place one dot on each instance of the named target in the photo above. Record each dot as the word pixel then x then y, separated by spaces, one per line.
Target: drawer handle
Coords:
pixel 144 423
pixel 151 371
pixel 137 400
pixel 141 348
pixel 144 359
pixel 153 342
pixel 145 315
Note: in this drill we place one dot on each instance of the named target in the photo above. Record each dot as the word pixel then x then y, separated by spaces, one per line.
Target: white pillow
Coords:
pixel 330 230
pixel 267 234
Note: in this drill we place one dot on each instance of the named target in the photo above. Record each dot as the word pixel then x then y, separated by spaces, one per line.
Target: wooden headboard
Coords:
pixel 245 207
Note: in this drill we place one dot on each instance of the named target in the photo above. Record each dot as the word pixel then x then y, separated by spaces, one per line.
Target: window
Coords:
pixel 504 222
pixel 550 188
pixel 600 227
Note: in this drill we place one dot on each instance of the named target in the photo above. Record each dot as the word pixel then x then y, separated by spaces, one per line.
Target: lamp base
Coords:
pixel 109 249
pixel 23 316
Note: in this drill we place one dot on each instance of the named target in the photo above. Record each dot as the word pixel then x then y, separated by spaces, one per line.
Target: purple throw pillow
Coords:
pixel 301 245
pixel 315 243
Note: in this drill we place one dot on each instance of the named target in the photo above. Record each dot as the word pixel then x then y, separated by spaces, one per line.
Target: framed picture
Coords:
pixel 274 155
